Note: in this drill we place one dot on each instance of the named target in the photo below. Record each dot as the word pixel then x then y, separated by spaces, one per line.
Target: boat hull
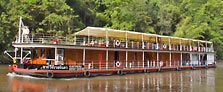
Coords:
pixel 96 72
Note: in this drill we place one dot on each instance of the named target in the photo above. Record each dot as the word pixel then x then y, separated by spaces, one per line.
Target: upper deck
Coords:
pixel 121 39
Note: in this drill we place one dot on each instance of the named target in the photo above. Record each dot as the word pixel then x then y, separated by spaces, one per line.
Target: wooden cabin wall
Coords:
pixel 69 56
pixel 73 56
pixel 175 57
pixel 111 60
pixel 91 56
pixel 95 58
pixel 103 58
pixel 165 58
pixel 122 58
pixel 139 58
pixel 131 57
pixel 147 56
pixel 150 56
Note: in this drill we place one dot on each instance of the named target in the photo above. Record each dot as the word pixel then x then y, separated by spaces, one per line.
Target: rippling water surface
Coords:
pixel 203 80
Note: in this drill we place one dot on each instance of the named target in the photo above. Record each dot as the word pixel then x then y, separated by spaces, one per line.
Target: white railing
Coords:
pixel 91 64
pixel 85 41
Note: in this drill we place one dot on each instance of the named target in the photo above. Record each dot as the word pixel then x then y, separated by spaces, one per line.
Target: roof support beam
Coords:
pixel 84 53
pixel 126 40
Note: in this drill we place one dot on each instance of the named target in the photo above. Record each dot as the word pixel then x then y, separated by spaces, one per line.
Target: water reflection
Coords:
pixel 218 78
pixel 178 81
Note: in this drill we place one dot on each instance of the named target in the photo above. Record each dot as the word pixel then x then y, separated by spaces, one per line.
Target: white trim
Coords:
pixel 106 59
pixel 56 59
pixel 181 59
pixel 84 53
pixel 170 58
pixel 126 59
pixel 21 53
pixel 143 59
pixel 126 40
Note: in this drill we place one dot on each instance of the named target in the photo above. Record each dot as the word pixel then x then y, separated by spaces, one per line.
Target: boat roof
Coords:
pixel 107 32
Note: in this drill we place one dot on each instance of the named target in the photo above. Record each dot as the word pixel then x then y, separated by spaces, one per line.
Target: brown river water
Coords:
pixel 202 80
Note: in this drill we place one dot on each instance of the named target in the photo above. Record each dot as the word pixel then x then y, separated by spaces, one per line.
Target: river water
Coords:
pixel 202 80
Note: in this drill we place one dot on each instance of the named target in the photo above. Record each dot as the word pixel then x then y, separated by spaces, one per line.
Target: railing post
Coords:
pixel 106 59
pixel 126 40
pixel 143 58
pixel 84 52
pixel 126 59
pixel 148 63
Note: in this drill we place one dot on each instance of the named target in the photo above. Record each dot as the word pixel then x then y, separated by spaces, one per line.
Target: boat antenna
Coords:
pixel 20 26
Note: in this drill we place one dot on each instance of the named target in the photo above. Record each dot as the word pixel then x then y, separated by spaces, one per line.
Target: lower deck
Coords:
pixel 112 59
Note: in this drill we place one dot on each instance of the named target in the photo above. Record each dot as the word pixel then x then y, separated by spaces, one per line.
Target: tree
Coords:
pixel 39 15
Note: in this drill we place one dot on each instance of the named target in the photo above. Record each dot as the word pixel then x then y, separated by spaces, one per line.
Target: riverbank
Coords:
pixel 5 60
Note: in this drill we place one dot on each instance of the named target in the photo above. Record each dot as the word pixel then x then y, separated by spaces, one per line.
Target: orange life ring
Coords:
pixel 117 64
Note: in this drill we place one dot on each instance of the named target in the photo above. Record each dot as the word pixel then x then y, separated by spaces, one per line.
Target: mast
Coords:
pixel 20 25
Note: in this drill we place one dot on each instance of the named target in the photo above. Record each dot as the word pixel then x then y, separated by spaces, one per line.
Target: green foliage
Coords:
pixel 198 19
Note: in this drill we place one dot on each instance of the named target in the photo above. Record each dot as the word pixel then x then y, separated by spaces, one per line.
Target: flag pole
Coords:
pixel 20 20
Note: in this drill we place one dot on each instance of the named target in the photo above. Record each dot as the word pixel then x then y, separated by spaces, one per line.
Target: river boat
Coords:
pixel 96 51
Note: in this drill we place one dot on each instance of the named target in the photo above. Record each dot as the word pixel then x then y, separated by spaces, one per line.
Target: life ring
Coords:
pixel 117 43
pixel 164 46
pixel 50 74
pixel 87 74
pixel 25 60
pixel 117 64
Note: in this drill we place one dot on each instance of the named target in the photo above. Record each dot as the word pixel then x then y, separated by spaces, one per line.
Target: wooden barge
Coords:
pixel 96 51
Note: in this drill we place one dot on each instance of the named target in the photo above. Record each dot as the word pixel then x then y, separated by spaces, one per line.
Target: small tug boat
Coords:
pixel 96 51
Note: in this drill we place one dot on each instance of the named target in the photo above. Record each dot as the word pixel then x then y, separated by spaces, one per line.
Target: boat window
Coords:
pixel 60 54
pixel 26 53
pixel 34 53
pixel 50 54
pixel 42 53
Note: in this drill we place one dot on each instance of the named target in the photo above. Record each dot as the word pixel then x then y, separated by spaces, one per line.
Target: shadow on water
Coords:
pixel 204 80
